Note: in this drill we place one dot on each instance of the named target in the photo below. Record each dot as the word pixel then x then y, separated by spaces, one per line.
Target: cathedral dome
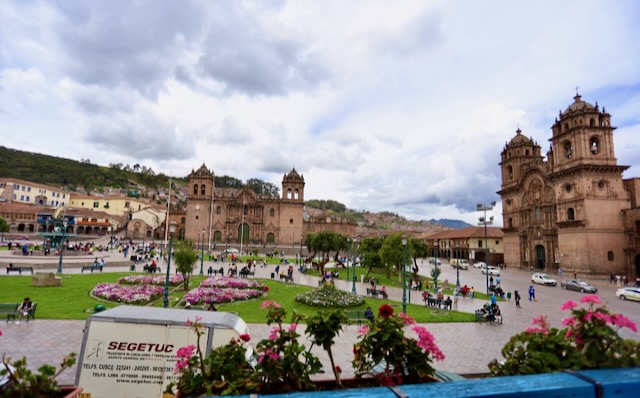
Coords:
pixel 293 176
pixel 579 105
pixel 520 139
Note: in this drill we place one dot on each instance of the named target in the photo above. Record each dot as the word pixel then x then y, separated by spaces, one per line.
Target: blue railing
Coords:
pixel 618 383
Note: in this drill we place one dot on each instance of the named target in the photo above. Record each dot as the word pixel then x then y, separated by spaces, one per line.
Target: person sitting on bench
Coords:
pixel 24 308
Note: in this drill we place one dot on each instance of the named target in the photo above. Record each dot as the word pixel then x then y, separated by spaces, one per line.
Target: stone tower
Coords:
pixel 565 210
pixel 199 200
pixel 292 208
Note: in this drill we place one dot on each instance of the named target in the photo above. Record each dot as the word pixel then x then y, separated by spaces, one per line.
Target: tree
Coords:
pixel 419 250
pixel 325 242
pixel 4 227
pixel 263 188
pixel 393 254
pixel 185 257
pixel 369 252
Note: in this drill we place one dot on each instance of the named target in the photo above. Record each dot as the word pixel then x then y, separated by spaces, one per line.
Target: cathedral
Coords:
pixel 240 216
pixel 571 209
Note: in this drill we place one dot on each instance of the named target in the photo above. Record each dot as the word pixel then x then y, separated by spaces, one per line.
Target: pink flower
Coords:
pixel 408 320
pixel 593 299
pixel 569 321
pixel 191 323
pixel 0 332
pixel 245 337
pixel 603 316
pixel 569 305
pixel 427 342
pixel 536 330
pixel 267 304
pixel 274 333
pixel 186 352
pixel 364 329
pixel 338 369
pixel 292 327
pixel 623 322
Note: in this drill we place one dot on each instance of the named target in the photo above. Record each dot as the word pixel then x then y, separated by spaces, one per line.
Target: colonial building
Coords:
pixel 568 210
pixel 471 243
pixel 241 217
pixel 20 191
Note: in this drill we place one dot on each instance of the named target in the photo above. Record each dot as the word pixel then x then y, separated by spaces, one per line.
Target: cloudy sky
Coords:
pixel 402 106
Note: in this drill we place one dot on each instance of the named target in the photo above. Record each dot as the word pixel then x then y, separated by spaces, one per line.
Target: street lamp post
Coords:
pixel 353 263
pixel 202 254
pixel 165 296
pixel 348 257
pixel 110 238
pixel 435 265
pixel 63 227
pixel 458 273
pixel 301 262
pixel 483 221
pixel 404 275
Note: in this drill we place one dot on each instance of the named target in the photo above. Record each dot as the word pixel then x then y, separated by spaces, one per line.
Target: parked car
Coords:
pixel 460 263
pixel 479 264
pixel 578 285
pixel 543 279
pixel 232 250
pixel 435 261
pixel 628 293
pixel 491 270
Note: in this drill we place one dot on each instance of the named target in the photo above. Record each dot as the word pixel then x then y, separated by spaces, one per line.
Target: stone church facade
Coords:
pixel 573 209
pixel 226 216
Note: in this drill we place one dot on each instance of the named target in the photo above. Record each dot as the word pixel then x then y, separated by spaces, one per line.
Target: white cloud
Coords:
pixel 402 106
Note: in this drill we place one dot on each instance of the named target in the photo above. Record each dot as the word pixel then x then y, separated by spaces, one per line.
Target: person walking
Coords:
pixel 516 298
pixel 532 293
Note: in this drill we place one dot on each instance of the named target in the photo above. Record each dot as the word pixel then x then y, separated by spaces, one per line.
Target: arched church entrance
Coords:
pixel 540 257
pixel 243 233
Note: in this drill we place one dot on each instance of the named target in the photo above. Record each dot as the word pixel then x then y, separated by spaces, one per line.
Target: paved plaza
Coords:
pixel 468 347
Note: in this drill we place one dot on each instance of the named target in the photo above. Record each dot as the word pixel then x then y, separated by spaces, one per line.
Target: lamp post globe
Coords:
pixel 484 222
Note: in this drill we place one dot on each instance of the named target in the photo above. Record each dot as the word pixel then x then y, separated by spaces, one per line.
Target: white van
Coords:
pixel 460 263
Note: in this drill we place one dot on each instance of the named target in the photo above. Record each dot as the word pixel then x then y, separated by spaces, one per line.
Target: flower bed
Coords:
pixel 130 294
pixel 235 283
pixel 328 296
pixel 174 280
pixel 225 290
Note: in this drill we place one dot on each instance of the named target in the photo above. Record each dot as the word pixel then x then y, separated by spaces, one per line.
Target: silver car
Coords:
pixel 578 285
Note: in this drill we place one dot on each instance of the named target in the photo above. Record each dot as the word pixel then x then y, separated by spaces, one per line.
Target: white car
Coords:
pixel 628 293
pixel 232 250
pixel 479 264
pixel 491 270
pixel 543 279
pixel 435 261
pixel 460 263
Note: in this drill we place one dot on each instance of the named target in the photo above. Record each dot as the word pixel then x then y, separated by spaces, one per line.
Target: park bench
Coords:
pixel 376 292
pixel 11 310
pixel 245 274
pixel 356 316
pixel 19 269
pixel 150 268
pixel 286 278
pixel 91 268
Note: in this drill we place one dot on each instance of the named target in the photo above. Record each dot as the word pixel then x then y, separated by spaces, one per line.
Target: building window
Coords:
pixel 126 205
pixel 291 221
pixel 29 189
pixel 610 256
pixel 218 210
pixel 510 171
pixel 202 189
pixel 568 149
pixel 538 212
pixel 182 220
pixel 195 189
pixel 272 212
pixel 21 197
pixel 96 205
pixel 497 242
pixel 594 145
pixel 571 214
pixel 479 243
pixel 296 194
pixel 28 198
pixel 245 210
pixel 510 222
pixel 289 193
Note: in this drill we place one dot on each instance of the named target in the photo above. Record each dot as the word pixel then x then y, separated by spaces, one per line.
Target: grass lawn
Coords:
pixel 394 280
pixel 72 300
